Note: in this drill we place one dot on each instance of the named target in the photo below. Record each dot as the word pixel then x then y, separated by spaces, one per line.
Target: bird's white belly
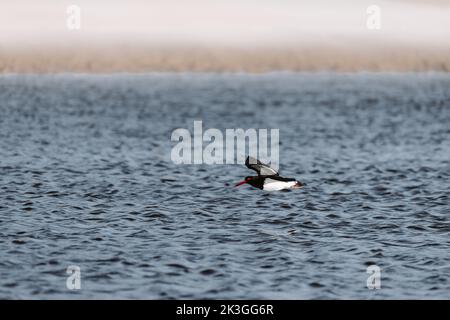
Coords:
pixel 279 185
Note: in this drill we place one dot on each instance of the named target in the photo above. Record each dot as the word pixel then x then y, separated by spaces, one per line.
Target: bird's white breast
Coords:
pixel 279 185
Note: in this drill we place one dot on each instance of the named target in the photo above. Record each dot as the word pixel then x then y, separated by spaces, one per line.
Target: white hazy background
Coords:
pixel 224 23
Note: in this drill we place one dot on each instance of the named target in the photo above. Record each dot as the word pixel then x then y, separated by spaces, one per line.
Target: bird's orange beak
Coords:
pixel 240 183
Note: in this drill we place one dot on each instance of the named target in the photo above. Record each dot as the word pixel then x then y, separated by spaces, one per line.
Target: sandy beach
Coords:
pixel 227 36
pixel 141 59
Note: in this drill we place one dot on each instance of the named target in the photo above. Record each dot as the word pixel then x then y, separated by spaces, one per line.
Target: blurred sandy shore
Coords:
pixel 103 59
pixel 244 35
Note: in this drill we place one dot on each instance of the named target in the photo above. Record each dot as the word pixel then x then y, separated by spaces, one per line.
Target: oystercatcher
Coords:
pixel 267 178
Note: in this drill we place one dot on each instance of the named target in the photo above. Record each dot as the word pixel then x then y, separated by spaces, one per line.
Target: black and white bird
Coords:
pixel 267 178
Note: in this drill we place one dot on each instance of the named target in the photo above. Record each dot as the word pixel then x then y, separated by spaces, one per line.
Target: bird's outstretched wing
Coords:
pixel 261 168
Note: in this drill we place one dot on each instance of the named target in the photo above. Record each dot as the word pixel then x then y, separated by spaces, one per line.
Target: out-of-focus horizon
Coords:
pixel 218 35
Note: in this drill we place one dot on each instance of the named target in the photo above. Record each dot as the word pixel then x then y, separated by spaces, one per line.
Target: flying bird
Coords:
pixel 267 178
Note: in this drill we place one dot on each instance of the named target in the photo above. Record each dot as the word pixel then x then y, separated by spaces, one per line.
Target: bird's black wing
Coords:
pixel 261 168
pixel 278 178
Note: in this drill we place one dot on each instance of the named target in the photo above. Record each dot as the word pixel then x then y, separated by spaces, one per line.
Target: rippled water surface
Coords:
pixel 86 179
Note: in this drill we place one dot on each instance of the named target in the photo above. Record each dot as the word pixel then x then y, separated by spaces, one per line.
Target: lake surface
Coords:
pixel 86 179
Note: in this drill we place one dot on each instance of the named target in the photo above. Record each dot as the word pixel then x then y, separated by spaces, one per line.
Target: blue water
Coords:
pixel 86 179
